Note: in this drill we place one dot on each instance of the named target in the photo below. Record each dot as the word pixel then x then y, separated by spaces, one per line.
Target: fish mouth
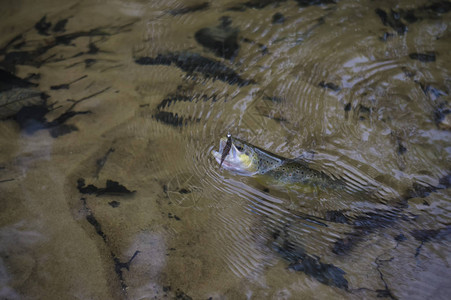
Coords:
pixel 218 154
pixel 222 144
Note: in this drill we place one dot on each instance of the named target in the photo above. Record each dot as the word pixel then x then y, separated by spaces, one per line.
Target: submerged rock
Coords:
pixel 423 57
pixel 189 9
pixel 195 63
pixel 278 18
pixel 222 39
pixel 393 20
pixel 112 188
pixel 329 85
pixel 305 3
pixel 299 261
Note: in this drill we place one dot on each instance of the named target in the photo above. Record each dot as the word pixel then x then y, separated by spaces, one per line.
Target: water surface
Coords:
pixel 109 111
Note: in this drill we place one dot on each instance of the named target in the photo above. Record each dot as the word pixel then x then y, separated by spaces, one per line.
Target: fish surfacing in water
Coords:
pixel 249 160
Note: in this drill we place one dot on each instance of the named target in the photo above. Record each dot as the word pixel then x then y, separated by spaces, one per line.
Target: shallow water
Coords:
pixel 109 112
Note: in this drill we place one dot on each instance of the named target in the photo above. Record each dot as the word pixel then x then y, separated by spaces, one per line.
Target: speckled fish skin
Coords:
pixel 279 169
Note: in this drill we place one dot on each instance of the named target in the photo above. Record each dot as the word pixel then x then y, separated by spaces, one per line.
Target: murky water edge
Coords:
pixel 109 112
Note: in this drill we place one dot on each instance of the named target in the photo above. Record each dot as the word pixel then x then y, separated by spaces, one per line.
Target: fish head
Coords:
pixel 241 159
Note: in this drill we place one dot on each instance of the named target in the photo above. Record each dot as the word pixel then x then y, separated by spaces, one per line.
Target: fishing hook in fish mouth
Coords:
pixel 227 148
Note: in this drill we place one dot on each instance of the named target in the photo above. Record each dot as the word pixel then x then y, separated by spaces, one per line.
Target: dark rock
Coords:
pixel 409 16
pixel 62 129
pixel 9 81
pixel 114 203
pixel 401 148
pixel 324 273
pixel 112 188
pixel 329 85
pixel 42 26
pixel 257 4
pixel 386 36
pixel 440 7
pixel 172 99
pixel 93 221
pixel 32 118
pixel 118 266
pixel 181 295
pixel 60 26
pixel 392 20
pixel 363 225
pixel 337 217
pixel 343 246
pixel 171 216
pixel 222 39
pixel 189 9
pixel 170 118
pixel 93 49
pixel 440 114
pixel 431 91
pixel 299 261
pixel 445 181
pixel 278 18
pixel 427 235
pixel 400 237
pixel 421 191
pixel 306 3
pixel 423 57
pixel 348 106
pixel 64 86
pixel 195 63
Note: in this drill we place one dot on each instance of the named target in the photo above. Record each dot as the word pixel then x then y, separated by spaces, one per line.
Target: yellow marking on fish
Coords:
pixel 245 159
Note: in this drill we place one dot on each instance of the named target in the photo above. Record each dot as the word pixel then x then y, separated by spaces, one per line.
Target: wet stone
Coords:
pixel 401 148
pixel 306 3
pixel 330 86
pixel 62 129
pixel 400 237
pixel 32 118
pixel 442 116
pixel 170 118
pixel 43 26
pixel 194 63
pixel 421 191
pixel 278 18
pixel 445 181
pixel 189 9
pixel 427 235
pixel 114 203
pixel 337 217
pixel 347 107
pixel 60 26
pixel 171 216
pixel 111 188
pixel 257 4
pixel 222 39
pixel 440 7
pixel 392 20
pixel 299 261
pixel 386 36
pixel 181 295
pixel 9 81
pixel 423 57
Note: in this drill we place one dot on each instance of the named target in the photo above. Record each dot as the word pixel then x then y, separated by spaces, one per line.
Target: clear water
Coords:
pixel 361 86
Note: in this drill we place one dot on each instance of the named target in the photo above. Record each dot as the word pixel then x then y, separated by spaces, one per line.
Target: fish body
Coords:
pixel 249 160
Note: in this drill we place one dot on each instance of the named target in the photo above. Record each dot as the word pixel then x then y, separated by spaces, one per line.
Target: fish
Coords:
pixel 248 160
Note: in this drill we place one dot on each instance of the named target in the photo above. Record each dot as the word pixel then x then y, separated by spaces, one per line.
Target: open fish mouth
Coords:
pixel 236 160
